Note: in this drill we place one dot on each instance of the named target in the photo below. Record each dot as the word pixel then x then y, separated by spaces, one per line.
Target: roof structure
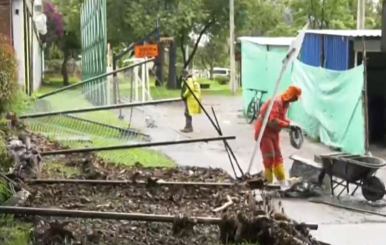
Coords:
pixel 347 33
pixel 272 41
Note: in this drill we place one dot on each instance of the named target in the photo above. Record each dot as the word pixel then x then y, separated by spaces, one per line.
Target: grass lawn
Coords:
pixel 99 135
pixel 102 136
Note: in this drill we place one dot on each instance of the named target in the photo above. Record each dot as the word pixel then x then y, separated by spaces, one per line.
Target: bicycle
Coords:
pixel 255 105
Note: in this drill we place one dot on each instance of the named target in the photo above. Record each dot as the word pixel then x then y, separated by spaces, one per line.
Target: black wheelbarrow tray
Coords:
pixel 354 169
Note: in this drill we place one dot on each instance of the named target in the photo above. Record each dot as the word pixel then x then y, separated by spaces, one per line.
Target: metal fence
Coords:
pixel 94 49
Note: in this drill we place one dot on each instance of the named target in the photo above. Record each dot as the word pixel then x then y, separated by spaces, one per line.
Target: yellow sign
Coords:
pixel 148 50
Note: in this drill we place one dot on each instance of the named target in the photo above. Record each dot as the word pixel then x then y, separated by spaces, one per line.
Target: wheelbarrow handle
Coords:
pixel 312 226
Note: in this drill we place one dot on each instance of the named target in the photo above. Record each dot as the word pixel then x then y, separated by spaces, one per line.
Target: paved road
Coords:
pixel 336 226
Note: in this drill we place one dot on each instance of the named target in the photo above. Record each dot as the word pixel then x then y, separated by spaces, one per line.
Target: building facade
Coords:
pixel 17 23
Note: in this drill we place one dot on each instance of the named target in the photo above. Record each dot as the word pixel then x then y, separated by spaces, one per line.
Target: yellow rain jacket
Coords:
pixel 193 106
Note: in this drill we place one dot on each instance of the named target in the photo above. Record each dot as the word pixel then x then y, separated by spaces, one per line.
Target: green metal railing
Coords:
pixel 94 50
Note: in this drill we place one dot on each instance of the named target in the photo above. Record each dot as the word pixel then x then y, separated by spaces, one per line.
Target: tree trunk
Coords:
pixel 172 79
pixel 211 70
pixel 66 56
pixel 159 72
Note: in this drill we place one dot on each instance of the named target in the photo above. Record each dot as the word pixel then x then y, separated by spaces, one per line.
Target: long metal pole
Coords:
pixel 99 108
pixel 361 15
pixel 214 125
pixel 126 182
pixel 112 215
pixel 365 99
pixel 101 215
pixel 141 182
pixel 233 83
pixel 93 79
pixel 292 53
pixel 265 119
pixel 133 146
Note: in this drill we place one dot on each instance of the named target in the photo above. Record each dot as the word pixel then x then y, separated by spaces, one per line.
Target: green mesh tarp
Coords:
pixel 260 69
pixel 330 106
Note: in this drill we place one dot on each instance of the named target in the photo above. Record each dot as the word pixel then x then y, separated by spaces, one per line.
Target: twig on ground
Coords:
pixel 226 205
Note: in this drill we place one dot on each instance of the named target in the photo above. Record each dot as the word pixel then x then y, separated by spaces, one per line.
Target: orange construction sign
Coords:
pixel 148 50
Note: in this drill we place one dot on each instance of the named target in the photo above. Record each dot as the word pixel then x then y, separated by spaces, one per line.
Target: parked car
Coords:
pixel 219 71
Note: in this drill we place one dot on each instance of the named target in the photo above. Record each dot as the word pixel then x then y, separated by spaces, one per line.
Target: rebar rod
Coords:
pixel 215 127
pixel 132 146
pixel 86 214
pixel 99 108
pixel 94 78
pixel 227 148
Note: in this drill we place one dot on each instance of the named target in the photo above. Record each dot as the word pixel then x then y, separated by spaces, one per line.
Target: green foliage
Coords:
pixel 215 52
pixel 4 158
pixel 8 73
pixel 20 102
pixel 5 193
pixel 54 65
pixel 13 232
pixel 69 41
pixel 130 20
pixel 222 80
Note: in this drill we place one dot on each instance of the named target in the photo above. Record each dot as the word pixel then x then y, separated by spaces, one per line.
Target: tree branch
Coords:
pixel 206 27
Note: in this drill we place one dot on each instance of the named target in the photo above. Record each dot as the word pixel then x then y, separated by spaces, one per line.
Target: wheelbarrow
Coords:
pixel 353 169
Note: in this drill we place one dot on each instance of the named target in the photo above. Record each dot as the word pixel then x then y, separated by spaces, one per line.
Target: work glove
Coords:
pixel 292 125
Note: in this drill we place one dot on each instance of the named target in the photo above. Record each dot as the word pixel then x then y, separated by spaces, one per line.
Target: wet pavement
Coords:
pixel 336 226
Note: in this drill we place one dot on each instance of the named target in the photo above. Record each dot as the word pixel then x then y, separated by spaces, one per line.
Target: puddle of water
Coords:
pixel 351 234
pixel 355 202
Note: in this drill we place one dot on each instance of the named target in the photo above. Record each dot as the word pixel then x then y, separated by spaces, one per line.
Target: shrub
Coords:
pixel 54 66
pixel 8 73
pixel 222 80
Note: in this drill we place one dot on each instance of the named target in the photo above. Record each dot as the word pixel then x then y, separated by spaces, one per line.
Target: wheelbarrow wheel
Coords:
pixel 373 189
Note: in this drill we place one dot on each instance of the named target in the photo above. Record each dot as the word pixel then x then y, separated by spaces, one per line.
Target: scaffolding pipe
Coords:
pixel 132 146
pixel 99 108
pixel 93 79
pixel 85 214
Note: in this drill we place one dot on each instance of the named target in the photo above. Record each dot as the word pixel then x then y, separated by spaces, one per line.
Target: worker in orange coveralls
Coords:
pixel 270 142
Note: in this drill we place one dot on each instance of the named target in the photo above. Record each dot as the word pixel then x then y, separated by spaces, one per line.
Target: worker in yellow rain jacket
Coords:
pixel 191 105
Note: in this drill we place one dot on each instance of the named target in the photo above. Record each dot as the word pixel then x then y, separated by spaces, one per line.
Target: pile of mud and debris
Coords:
pixel 239 215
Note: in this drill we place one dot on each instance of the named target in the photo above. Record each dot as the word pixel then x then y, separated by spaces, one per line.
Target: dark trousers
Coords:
pixel 188 117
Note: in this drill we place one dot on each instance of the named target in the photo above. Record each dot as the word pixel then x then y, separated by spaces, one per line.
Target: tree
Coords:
pixel 178 18
pixel 214 53
pixel 54 24
pixel 63 29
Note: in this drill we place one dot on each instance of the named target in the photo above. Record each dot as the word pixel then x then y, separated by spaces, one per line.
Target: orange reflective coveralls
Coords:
pixel 270 142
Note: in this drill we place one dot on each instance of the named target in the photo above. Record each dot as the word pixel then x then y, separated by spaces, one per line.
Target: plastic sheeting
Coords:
pixel 261 66
pixel 330 106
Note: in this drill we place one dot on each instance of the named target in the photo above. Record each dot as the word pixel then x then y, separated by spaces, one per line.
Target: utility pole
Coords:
pixel 361 15
pixel 233 84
